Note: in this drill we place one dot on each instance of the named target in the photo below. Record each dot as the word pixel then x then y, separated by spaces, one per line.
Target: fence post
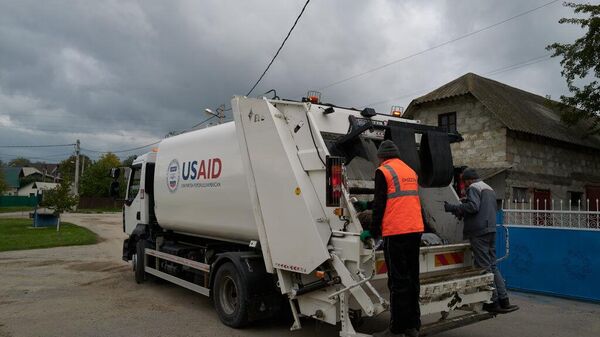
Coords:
pixel 597 215
pixel 530 212
pixel 587 221
pixel 579 213
pixel 570 221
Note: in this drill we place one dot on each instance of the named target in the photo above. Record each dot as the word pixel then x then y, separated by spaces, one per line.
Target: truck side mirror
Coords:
pixel 114 189
pixel 115 173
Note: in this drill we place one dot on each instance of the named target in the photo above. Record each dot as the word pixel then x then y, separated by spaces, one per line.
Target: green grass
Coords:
pixel 10 209
pixel 17 234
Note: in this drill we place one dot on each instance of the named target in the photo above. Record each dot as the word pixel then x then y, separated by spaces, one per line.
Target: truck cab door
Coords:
pixel 133 199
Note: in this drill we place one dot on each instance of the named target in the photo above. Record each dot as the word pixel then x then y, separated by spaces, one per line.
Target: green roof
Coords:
pixel 11 176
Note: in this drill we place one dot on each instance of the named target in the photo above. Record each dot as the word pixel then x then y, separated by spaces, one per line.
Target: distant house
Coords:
pixel 33 188
pixel 49 172
pixel 12 176
pixel 516 140
pixel 20 179
pixel 32 173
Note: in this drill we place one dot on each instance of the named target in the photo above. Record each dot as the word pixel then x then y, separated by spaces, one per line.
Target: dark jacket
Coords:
pixel 379 203
pixel 479 210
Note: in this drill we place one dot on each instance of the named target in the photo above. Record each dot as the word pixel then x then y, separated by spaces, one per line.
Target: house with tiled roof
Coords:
pixel 516 140
pixel 49 171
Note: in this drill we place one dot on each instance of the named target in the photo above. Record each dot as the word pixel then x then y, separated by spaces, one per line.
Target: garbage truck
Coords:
pixel 259 214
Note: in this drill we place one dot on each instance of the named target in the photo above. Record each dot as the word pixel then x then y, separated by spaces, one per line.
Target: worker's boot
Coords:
pixel 496 308
pixel 493 307
pixel 506 306
pixel 387 333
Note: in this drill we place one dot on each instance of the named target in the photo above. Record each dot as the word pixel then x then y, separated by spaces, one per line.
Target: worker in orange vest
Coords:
pixel 397 217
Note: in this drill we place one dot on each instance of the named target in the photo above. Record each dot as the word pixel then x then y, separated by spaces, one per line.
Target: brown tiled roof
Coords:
pixel 517 109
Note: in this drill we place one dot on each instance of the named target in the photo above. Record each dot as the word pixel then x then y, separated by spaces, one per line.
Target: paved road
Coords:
pixel 89 291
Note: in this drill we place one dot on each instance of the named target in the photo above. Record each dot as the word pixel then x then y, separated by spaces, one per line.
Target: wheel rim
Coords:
pixel 229 296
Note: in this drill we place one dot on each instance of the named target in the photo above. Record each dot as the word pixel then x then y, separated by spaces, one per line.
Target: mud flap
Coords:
pixel 404 138
pixel 437 168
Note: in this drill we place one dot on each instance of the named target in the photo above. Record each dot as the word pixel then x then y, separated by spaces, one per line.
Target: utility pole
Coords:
pixel 220 114
pixel 76 188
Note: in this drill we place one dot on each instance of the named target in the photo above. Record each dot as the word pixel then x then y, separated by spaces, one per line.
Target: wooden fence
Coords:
pixel 98 202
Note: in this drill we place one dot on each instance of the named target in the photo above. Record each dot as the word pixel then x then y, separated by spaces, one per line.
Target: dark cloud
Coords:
pixel 118 74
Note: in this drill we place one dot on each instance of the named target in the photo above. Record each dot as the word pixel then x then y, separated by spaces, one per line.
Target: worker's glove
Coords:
pixel 361 205
pixel 454 209
pixel 449 207
pixel 365 235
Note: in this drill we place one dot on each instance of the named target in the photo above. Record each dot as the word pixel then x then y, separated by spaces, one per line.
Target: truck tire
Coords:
pixel 230 296
pixel 138 262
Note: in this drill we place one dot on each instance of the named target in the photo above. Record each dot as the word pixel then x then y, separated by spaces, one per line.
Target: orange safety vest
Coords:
pixel 403 207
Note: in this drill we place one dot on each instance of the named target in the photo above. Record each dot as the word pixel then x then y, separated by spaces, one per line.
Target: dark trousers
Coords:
pixel 402 260
pixel 484 254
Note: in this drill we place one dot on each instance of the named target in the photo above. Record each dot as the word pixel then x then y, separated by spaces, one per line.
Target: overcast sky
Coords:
pixel 119 74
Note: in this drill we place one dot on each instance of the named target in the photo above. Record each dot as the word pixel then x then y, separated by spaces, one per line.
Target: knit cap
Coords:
pixel 388 149
pixel 470 174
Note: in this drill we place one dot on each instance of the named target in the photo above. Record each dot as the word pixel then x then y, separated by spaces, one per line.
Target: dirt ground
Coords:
pixel 89 291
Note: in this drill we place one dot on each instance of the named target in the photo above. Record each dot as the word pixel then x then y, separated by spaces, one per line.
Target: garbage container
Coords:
pixel 43 217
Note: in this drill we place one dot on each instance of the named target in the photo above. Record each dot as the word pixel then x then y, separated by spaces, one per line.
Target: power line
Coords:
pixel 490 73
pixel 518 66
pixel 144 146
pixel 436 46
pixel 30 146
pixel 278 50
pixel 204 121
pixel 50 158
pixel 121 151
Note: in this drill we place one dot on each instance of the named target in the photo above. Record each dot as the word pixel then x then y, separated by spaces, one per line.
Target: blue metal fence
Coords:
pixel 556 261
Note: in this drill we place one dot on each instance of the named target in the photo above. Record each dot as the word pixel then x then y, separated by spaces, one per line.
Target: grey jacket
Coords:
pixel 479 210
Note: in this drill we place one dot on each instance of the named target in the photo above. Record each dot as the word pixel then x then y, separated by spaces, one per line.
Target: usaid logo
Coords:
pixel 173 175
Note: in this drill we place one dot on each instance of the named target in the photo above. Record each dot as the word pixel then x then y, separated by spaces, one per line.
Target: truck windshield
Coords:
pixel 134 182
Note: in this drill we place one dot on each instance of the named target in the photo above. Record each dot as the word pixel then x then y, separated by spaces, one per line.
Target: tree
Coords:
pixel 129 160
pixel 19 162
pixel 95 181
pixel 581 63
pixel 67 166
pixel 60 199
pixel 3 184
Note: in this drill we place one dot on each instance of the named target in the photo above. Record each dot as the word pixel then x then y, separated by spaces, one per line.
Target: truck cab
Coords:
pixel 138 205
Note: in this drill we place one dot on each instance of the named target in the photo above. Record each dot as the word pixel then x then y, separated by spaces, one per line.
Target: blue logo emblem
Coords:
pixel 173 175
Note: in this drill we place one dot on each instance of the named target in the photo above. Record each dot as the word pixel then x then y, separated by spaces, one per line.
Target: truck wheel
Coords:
pixel 138 262
pixel 229 296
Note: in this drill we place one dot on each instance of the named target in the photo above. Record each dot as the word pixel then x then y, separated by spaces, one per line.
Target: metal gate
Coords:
pixel 552 251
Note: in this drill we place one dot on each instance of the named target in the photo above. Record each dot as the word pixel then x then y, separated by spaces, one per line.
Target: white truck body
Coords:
pixel 260 182
pixel 211 197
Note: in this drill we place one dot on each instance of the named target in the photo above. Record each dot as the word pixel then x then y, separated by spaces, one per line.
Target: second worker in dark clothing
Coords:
pixel 479 213
pixel 397 217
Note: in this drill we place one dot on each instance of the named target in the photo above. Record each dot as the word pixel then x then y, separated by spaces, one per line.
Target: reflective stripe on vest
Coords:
pixel 398 191
pixel 403 206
